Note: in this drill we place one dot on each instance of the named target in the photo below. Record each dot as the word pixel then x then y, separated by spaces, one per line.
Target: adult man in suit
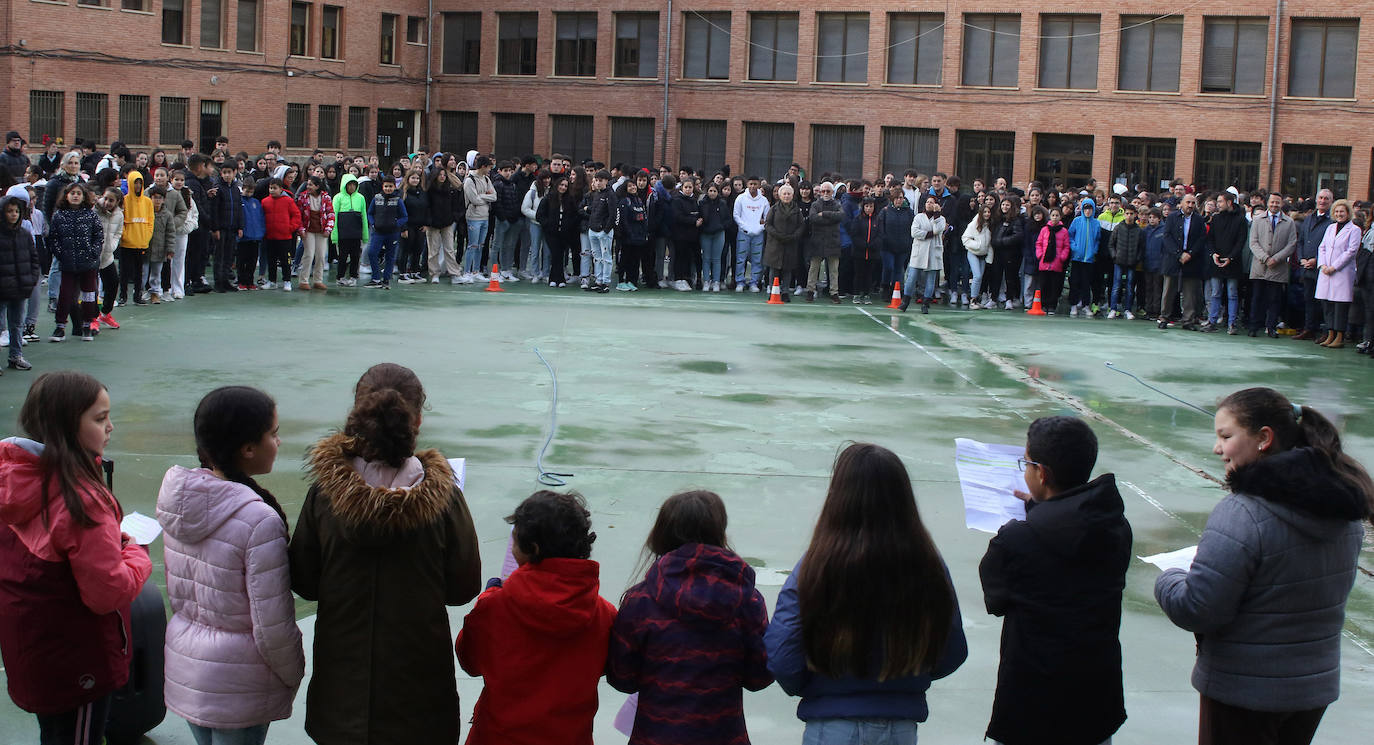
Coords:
pixel 1310 233
pixel 1273 238
pixel 1185 248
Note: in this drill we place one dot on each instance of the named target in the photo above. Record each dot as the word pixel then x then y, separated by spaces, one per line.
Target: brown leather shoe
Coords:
pixel 1326 338
pixel 319 286
pixel 1337 341
pixel 1304 335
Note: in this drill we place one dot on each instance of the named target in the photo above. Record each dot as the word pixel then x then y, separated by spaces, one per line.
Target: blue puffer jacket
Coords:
pixel 1083 233
pixel 1154 247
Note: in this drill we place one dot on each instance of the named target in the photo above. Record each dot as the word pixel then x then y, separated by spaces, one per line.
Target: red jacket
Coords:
pixel 326 216
pixel 65 590
pixel 539 643
pixel 281 216
pixel 1053 258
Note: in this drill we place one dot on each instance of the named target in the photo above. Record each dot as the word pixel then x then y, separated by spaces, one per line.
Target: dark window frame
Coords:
pixel 770 50
pixel 845 58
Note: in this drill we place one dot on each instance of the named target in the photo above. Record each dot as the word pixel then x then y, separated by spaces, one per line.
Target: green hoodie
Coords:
pixel 345 202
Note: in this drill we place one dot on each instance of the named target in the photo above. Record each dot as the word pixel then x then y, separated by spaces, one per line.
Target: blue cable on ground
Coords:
pixel 547 477
pixel 1198 409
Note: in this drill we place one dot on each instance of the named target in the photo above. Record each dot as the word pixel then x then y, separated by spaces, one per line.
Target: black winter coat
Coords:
pixel 685 212
pixel 1008 237
pixel 1126 245
pixel 824 221
pixel 633 221
pixel 865 236
pixel 896 228
pixel 19 270
pixel 417 209
pixel 558 217
pixel 1228 234
pixel 508 196
pixel 445 204
pixel 55 186
pixel 76 238
pixel 715 215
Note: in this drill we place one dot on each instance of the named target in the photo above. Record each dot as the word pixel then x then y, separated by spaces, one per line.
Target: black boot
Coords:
pixel 906 303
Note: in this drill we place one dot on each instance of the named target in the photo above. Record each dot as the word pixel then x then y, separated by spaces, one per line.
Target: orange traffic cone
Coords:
pixel 1035 309
pixel 896 296
pixel 775 293
pixel 495 284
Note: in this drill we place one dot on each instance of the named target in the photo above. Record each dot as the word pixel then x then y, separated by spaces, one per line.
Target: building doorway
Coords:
pixel 395 135
pixel 211 124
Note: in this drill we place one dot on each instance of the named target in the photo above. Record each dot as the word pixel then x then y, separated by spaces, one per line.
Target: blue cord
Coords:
pixel 1198 409
pixel 547 477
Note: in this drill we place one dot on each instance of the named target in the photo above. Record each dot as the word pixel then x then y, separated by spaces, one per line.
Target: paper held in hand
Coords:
pixel 988 476
pixel 143 529
pixel 625 718
pixel 1180 559
pixel 460 470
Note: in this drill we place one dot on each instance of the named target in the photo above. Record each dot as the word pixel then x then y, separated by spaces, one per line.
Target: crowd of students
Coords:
pixel 864 624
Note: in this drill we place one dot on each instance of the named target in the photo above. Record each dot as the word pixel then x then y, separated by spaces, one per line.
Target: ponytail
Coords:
pixel 227 419
pixel 236 474
pixel 385 419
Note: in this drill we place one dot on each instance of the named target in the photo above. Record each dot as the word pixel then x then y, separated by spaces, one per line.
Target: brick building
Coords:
pixel 1212 94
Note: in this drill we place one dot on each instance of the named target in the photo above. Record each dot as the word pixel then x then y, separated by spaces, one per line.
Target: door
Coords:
pixel 395 135
pixel 211 124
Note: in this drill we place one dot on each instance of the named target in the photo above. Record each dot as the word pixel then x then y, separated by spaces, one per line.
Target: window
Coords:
pixel 1067 158
pixel 701 142
pixel 327 136
pixel 388 40
pixel 211 123
pixel 212 24
pixel 517 43
pixel 1068 51
pixel 1322 64
pixel 330 17
pixel 772 46
pixel 133 120
pixel 985 155
pixel 96 3
pixel 357 127
pixel 767 149
pixel 842 47
pixel 45 114
pixel 514 135
pixel 246 31
pixel 173 21
pixel 1308 169
pixel 1222 164
pixel 1142 161
pixel 706 45
pixel 905 147
pixel 457 131
pixel 300 22
pixel 636 45
pixel 297 124
pixel 132 5
pixel 915 48
pixel 837 150
pixel 90 116
pixel 415 30
pixel 572 136
pixel 171 117
pixel 992 44
pixel 574 50
pixel 632 141
pixel 1233 52
pixel 462 43
pixel 1150 53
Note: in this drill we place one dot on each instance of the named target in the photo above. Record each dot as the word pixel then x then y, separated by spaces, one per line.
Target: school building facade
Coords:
pixel 1215 95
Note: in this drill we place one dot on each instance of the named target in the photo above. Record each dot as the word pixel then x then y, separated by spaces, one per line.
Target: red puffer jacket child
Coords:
pixel 282 217
pixel 1052 247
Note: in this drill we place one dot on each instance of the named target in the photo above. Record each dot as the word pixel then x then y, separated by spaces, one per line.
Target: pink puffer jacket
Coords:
pixel 234 656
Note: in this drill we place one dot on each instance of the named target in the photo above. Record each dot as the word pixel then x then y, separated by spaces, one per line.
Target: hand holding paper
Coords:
pixel 989 478
pixel 1180 559
pixel 143 529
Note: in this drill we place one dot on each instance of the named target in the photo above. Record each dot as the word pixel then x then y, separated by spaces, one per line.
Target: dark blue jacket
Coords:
pixel 387 214
pixel 254 224
pixel 1154 247
pixel 896 228
pixel 227 206
pixel 1310 234
pixel 633 220
pixel 1175 247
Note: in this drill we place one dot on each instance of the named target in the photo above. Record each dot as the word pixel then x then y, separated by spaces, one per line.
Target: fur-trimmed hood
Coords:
pixel 375 514
pixel 1302 487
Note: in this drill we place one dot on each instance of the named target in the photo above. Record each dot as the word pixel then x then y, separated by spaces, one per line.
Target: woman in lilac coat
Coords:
pixel 234 655
pixel 1336 272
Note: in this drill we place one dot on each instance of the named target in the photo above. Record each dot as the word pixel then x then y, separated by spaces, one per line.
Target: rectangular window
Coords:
pixel 300 23
pixel 1139 161
pixel 915 48
pixel 985 155
pixel 45 114
pixel 330 23
pixel 212 24
pixel 1068 51
pixel 297 124
pixel 171 116
pixel 90 116
pixel 574 50
pixel 357 127
pixel 636 45
pixel 457 131
pixel 173 21
pixel 992 44
pixel 706 45
pixel 132 5
pixel 572 136
pixel 133 120
pixel 701 142
pixel 1233 53
pixel 514 135
pixel 772 46
pixel 211 123
pixel 415 30
pixel 517 43
pixel 1150 52
pixel 632 141
pixel 246 29
pixel 1222 164
pixel 1322 62
pixel 1066 158
pixel 767 149
pixel 387 45
pixel 462 43
pixel 837 150
pixel 1307 169
pixel 327 136
pixel 906 147
pixel 842 47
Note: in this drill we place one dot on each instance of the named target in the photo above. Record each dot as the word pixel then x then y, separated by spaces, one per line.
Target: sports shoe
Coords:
pixel 86 334
pixel 386 285
pixel 682 286
pixel 478 277
pixel 268 285
pixel 139 299
pixel 434 280
pixel 373 284
pixel 1130 316
pixel 991 304
pixel 797 290
pixel 603 289
pixel 1113 315
pixel 632 287
pixel 108 320
pixel 663 284
pixel 552 283
pixel 286 286
pixel 19 363
pixel 95 327
pixel 739 288
pixel 58 334
pixel 30 333
pixel 261 281
pixel 858 300
pixel 868 300
pixel 156 299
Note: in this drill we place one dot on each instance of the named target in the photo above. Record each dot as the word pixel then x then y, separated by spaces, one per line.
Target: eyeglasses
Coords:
pixel 1021 463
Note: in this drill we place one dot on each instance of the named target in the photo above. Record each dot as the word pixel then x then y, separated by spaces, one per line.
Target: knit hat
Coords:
pixel 14 135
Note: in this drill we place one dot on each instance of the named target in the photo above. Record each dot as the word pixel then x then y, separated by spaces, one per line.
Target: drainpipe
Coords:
pixel 1273 95
pixel 429 62
pixel 667 77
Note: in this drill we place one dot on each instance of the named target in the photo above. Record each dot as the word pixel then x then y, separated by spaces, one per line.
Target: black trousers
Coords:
pixel 109 279
pixel 224 257
pixel 862 268
pixel 130 271
pixel 683 252
pixel 1266 300
pixel 246 261
pixel 69 297
pixel 197 253
pixel 1311 307
pixel 1003 272
pixel 414 250
pixel 279 257
pixel 634 260
pixel 350 251
pixel 1051 286
pixel 84 725
pixel 558 256
pixel 1224 724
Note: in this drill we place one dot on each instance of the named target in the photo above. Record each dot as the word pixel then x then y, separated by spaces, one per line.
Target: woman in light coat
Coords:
pixel 927 255
pixel 1336 272
pixel 977 240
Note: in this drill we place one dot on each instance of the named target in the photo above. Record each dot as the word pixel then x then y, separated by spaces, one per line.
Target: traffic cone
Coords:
pixel 1036 310
pixel 896 296
pixel 775 293
pixel 495 284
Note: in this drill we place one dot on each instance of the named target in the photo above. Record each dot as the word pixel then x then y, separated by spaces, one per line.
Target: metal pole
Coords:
pixel 429 62
pixel 667 76
pixel 1273 97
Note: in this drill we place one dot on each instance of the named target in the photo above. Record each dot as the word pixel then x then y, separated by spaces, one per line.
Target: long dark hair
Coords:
pixel 384 422
pixel 51 414
pixel 696 516
pixel 227 419
pixel 872 588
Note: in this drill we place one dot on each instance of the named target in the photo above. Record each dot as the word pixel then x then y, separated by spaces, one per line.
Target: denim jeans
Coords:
pixel 247 736
pixel 922 278
pixel 1216 286
pixel 537 263
pixel 890 269
pixel 1027 289
pixel 712 246
pixel 503 238
pixel 477 235
pixel 14 323
pixel 1120 273
pixel 976 265
pixel 383 248
pixel 54 279
pixel 748 251
pixel 860 732
pixel 601 255
pixel 585 265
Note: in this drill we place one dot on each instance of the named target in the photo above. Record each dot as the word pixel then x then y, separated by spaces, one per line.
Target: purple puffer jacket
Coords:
pixel 234 656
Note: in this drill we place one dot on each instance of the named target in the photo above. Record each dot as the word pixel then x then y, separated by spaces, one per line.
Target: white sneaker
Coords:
pixel 990 304
pixel 584 283
pixel 269 285
pixel 552 283
pixel 1130 316
pixel 286 286
pixel 434 280
pixel 682 286
pixel 1112 314
pixel 453 280
pixel 663 284
pixel 4 338
pixel 1010 305
pixel 739 288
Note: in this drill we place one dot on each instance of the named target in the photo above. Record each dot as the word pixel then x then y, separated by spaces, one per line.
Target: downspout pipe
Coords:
pixel 429 69
pixel 667 78
pixel 1273 96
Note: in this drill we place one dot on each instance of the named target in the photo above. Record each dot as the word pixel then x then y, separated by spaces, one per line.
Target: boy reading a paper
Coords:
pixel 1056 578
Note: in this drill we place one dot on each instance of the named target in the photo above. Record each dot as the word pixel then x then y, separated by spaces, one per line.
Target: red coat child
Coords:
pixel 282 217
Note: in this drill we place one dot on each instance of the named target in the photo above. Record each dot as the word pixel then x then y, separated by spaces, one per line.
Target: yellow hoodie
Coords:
pixel 138 215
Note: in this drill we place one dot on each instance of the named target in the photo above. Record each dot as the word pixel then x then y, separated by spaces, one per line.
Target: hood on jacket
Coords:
pixel 700 582
pixel 557 597
pixel 348 179
pixel 194 503
pixel 21 477
pixel 379 515
pixel 1091 205
pixel 135 180
pixel 17 193
pixel 1301 487
pixel 1076 522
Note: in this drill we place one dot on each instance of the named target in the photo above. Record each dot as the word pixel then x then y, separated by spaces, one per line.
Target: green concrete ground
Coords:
pixel 662 391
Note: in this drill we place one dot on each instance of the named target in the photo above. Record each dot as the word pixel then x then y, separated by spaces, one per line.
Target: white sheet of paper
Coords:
pixel 987 476
pixel 144 529
pixel 1180 559
pixel 625 718
pixel 460 470
pixel 508 564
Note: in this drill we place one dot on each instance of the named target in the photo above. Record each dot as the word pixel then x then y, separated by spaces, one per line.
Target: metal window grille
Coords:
pixel 133 120
pixel 45 114
pixel 328 134
pixel 297 124
pixel 90 116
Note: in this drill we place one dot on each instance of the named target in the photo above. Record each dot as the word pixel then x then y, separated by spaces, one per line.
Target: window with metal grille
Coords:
pixel 300 29
pixel 90 116
pixel 457 131
pixel 246 27
pixel 212 24
pixel 1322 60
pixel 173 21
pixel 327 136
pixel 907 147
pixel 388 40
pixel 574 51
pixel 1219 164
pixel 632 141
pixel 706 45
pixel 985 155
pixel 514 135
pixel 992 44
pixel 837 150
pixel 415 30
pixel 517 43
pixel 636 45
pixel 134 5
pixel 1233 54
pixel 462 43
pixel 297 124
pixel 331 21
pixel 1137 160
pixel 842 47
pixel 915 48
pixel 1307 169
pixel 1058 157
pixel 133 120
pixel 571 136
pixel 1151 49
pixel 45 114
pixel 171 116
pixel 701 143
pixel 767 149
pixel 772 46
pixel 357 127
pixel 1068 51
